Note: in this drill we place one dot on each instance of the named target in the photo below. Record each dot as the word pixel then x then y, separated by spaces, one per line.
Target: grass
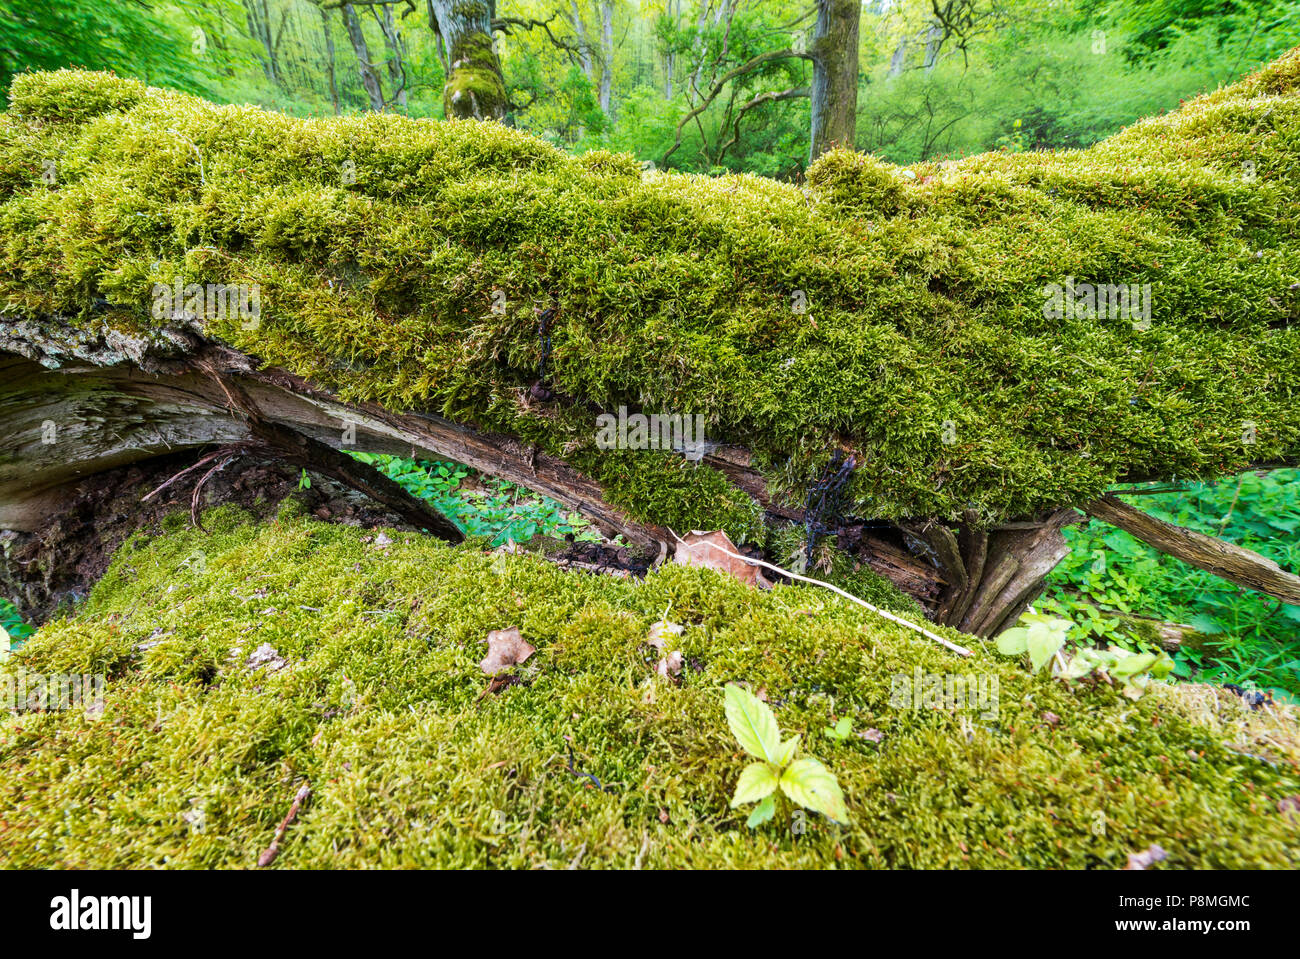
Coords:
pixel 383 710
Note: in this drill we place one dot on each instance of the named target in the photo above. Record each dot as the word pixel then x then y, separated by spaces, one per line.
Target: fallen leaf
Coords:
pixel 699 548
pixel 505 648
pixel 1140 860
pixel 671 664
pixel 662 632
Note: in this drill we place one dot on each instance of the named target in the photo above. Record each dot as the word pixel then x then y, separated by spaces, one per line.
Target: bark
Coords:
pixel 1232 562
pixel 329 59
pixel 369 77
pixel 835 75
pixel 475 87
pixel 606 55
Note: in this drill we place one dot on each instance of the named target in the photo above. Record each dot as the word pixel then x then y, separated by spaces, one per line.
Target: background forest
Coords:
pixel 713 86
pixel 936 78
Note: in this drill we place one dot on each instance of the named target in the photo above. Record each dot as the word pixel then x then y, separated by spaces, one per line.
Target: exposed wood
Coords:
pixel 974 543
pixel 1233 563
pixel 104 417
pixel 1017 563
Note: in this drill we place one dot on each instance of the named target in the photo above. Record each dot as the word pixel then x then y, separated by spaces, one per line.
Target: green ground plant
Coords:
pixel 1110 583
pixel 502 511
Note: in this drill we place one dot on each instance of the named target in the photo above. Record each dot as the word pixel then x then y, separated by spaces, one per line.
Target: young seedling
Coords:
pixel 805 782
pixel 840 731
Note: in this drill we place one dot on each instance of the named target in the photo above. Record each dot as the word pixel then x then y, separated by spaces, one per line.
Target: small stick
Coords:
pixel 268 855
pixel 960 650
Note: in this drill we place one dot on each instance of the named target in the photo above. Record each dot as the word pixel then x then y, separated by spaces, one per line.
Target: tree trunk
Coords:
pixel 835 75
pixel 606 55
pixel 369 77
pixel 259 28
pixel 329 59
pixel 393 43
pixel 584 48
pixel 475 88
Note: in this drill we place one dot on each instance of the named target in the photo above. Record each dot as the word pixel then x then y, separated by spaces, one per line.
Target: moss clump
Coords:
pixel 899 317
pixel 856 184
pixel 475 88
pixel 378 707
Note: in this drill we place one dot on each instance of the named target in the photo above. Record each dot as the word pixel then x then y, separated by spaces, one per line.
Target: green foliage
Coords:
pixel 805 782
pixel 1043 636
pixel 502 511
pixel 381 709
pixel 1110 581
pixel 1040 638
pixel 130 37
pixel 11 622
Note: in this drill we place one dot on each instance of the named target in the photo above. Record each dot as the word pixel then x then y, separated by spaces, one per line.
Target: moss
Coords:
pixel 788 546
pixel 856 184
pixel 380 708
pixel 896 313
pixel 475 87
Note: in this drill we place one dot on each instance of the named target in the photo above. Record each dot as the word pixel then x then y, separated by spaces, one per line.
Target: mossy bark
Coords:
pixel 475 87
pixel 835 75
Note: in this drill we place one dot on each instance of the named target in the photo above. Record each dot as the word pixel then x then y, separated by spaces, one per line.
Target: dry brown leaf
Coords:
pixel 662 632
pixel 671 664
pixel 505 648
pixel 697 549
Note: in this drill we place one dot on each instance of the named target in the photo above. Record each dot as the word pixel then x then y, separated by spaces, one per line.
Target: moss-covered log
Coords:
pixel 994 340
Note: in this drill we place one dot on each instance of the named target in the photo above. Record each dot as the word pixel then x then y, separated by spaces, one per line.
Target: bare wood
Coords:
pixel 1233 563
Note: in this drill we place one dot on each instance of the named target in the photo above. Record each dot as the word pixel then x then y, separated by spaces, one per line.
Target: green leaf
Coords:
pixel 762 813
pixel 1042 643
pixel 753 724
pixel 787 751
pixel 811 785
pixel 1012 642
pixel 758 781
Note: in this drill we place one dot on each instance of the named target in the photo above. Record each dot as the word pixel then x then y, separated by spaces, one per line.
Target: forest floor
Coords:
pixel 278 657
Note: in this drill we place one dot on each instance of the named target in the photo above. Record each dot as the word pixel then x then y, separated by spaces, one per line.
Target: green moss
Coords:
pixel 788 546
pixel 923 349
pixel 475 87
pixel 379 708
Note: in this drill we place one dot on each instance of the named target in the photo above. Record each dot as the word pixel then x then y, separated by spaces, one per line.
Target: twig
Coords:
pixel 268 855
pixel 960 650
